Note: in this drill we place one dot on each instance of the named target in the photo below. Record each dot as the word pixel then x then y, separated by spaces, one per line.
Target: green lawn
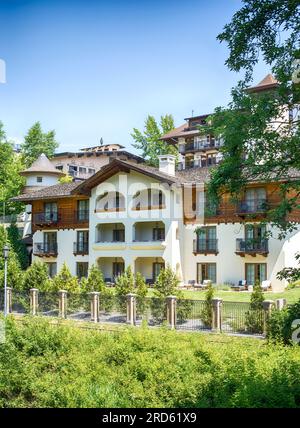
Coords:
pixel 292 295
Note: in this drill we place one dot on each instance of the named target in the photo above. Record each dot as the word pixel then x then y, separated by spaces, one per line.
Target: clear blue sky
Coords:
pixel 92 69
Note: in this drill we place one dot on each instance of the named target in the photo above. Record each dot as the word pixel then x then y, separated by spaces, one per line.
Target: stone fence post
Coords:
pixel 280 304
pixel 267 307
pixel 217 314
pixel 171 311
pixel 62 303
pixel 34 301
pixel 95 306
pixel 131 309
pixel 8 300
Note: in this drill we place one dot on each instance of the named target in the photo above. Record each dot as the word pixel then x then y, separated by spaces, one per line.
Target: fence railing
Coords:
pixel 181 314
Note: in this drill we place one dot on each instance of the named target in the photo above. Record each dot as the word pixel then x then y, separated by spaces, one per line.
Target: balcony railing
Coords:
pixel 62 217
pixel 252 246
pixel 45 249
pixel 46 218
pixel 204 246
pixel 252 206
pixel 200 145
pixel 81 248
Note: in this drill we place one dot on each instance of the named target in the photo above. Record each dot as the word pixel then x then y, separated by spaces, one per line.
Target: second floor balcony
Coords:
pixel 60 218
pixel 205 246
pixel 45 249
pixel 252 246
pixel 252 206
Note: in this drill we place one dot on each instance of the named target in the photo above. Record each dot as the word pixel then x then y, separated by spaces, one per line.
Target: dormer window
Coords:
pixel 39 179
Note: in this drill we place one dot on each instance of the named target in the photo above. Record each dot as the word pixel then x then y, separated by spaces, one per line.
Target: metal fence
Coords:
pixel 239 317
pixel 78 306
pixel 112 309
pixel 48 304
pixel 20 302
pixel 151 311
pixel 193 315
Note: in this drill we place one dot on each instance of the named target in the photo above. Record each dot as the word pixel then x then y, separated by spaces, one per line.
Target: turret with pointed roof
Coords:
pixel 267 83
pixel 40 174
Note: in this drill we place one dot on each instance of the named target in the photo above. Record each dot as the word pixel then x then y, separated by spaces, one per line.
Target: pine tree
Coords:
pixel 125 283
pixel 95 280
pixel 38 142
pixel 140 285
pixel 37 276
pixel 64 280
pixel 18 245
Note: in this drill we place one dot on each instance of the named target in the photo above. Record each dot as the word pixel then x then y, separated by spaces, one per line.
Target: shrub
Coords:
pixel 94 281
pixel 36 276
pixel 279 324
pixel 140 285
pixel 254 316
pixel 125 283
pixel 18 245
pixel 291 274
pixel 64 280
pixel 207 312
pixel 166 283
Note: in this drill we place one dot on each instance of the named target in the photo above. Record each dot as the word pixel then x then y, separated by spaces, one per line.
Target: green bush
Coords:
pixel 37 276
pixel 207 312
pixel 64 280
pixel 44 365
pixel 254 319
pixel 279 324
pixel 125 283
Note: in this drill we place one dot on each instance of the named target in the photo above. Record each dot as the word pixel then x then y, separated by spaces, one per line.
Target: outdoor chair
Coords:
pixel 242 285
pixel 265 285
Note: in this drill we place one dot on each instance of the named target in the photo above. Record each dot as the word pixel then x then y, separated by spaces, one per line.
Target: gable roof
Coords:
pixel 122 166
pixel 42 165
pixel 268 82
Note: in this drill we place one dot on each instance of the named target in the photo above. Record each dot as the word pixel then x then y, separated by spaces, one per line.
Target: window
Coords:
pixel 83 210
pixel 255 199
pixel 82 269
pixel 82 243
pixel 118 235
pixel 255 272
pixel 50 209
pixel 59 167
pixel 206 271
pixel 158 233
pixel 255 232
pixel 91 171
pixel 118 268
pixel 206 238
pixel 157 267
pixel 50 242
pixel 39 179
pixel 52 269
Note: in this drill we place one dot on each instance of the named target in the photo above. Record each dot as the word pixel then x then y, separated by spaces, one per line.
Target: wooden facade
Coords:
pixel 67 214
pixel 228 211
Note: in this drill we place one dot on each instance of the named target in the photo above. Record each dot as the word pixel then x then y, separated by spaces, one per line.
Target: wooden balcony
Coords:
pixel 61 219
pixel 43 249
pixel 252 207
pixel 252 247
pixel 205 246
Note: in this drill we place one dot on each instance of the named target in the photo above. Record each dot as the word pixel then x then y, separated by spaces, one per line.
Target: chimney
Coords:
pixel 167 164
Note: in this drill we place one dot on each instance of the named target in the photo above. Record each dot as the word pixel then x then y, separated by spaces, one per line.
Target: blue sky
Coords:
pixel 92 69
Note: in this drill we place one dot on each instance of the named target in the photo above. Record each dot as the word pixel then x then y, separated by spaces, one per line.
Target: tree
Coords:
pixel 140 285
pixel 38 142
pixel 207 312
pixel 18 245
pixel 166 283
pixel 148 140
pixel 14 272
pixel 125 283
pixel 95 280
pixel 66 179
pixel 64 280
pixel 291 274
pixel 37 276
pixel 254 316
pixel 11 182
pixel 253 149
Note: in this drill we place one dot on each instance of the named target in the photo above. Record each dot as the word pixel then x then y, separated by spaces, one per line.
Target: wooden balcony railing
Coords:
pixel 60 218
pixel 42 249
pixel 252 206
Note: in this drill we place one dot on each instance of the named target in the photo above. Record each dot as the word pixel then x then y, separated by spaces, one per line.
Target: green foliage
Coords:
pixel 42 365
pixel 125 283
pixel 207 312
pixel 269 30
pixel 291 274
pixel 149 141
pixel 37 276
pixel 140 285
pixel 279 324
pixel 18 245
pixel 14 273
pixel 64 280
pixel 166 284
pixel 66 179
pixel 254 317
pixel 11 182
pixel 38 142
pixel 95 280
